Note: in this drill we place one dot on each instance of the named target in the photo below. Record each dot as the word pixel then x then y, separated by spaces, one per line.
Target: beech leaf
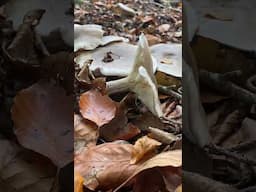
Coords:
pixel 97 107
pixel 42 121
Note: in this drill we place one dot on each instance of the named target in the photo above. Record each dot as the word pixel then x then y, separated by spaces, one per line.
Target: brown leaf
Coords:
pixel 179 189
pixel 105 166
pixel 152 40
pixel 43 123
pixel 165 179
pixel 79 182
pixel 22 170
pixel 86 132
pixel 172 159
pixel 148 120
pixel 118 127
pixel 143 146
pixel 97 107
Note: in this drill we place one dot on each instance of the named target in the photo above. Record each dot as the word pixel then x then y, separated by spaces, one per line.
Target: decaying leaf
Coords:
pixel 143 146
pixel 96 107
pixel 171 159
pixel 24 171
pixel 42 113
pixel 86 132
pixel 79 182
pixel 105 166
pixel 118 127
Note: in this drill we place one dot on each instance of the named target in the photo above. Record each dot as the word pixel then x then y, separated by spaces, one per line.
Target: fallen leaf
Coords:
pixel 105 166
pixel 179 189
pixel 148 120
pixel 119 128
pixel 42 121
pixel 22 170
pixel 86 132
pixel 79 182
pixel 96 107
pixel 143 146
pixel 172 159
pixel 152 40
pixel 147 19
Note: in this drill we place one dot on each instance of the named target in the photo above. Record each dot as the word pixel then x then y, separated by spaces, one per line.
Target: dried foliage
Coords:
pixel 138 148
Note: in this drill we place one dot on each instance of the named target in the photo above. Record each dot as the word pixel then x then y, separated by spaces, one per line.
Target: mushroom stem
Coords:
pixel 117 86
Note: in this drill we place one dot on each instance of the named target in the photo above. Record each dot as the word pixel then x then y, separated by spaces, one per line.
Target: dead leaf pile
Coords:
pixel 36 107
pixel 220 129
pixel 134 112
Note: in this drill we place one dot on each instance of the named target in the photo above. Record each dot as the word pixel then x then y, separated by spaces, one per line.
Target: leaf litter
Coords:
pixel 138 131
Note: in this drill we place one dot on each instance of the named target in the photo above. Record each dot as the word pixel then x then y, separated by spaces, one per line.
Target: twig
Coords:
pixel 162 136
pixel 243 146
pixel 219 83
pixel 169 91
pixel 221 151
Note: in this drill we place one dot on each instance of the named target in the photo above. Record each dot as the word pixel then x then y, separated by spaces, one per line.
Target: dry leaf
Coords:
pixel 43 123
pixel 86 132
pixel 171 159
pixel 152 40
pixel 118 127
pixel 179 189
pixel 105 166
pixel 96 107
pixel 79 182
pixel 143 146
pixel 24 171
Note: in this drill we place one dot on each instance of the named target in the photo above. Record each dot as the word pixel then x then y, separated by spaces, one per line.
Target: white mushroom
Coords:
pixel 169 58
pixel 90 36
pixel 120 61
pixel 87 37
pixel 141 80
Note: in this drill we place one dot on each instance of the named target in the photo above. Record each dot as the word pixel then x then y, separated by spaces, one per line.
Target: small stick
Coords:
pixel 168 91
pixel 219 83
pixel 162 136
pixel 244 146
pixel 220 151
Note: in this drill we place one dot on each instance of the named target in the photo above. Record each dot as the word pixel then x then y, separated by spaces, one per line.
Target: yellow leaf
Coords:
pixel 143 146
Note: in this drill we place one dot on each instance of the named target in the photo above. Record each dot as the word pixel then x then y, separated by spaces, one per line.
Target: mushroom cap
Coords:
pixel 121 61
pixel 169 58
pixel 90 36
pixel 87 37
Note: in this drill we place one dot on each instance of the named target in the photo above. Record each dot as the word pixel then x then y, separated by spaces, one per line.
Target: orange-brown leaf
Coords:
pixel 86 132
pixel 143 146
pixel 79 180
pixel 97 107
pixel 105 166
pixel 42 116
